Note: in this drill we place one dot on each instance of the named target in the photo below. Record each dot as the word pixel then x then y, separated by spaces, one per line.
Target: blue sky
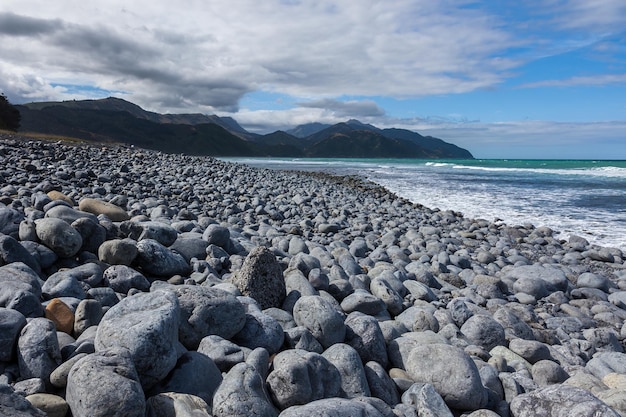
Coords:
pixel 529 79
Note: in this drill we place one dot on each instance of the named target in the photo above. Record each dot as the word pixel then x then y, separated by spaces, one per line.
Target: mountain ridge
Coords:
pixel 117 120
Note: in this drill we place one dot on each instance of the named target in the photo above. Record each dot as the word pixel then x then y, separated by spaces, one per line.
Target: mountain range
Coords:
pixel 116 120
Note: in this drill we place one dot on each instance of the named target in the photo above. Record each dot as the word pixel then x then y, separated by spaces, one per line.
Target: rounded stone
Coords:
pixel 451 371
pixel 61 315
pixel 97 207
pixel 59 236
pixel 52 405
pixel 321 318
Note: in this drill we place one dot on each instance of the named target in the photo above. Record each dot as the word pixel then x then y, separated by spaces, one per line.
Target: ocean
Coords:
pixel 586 198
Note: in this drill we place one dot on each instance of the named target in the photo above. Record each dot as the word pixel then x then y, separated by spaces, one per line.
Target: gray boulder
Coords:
pixel 92 233
pixel 451 371
pixel 174 404
pixel 105 383
pixel 122 278
pixel 207 311
pixel 426 401
pixel 321 318
pixel 380 383
pixel 240 392
pixel 261 278
pixel 350 367
pixel 260 330
pixel 363 333
pixel 536 280
pixel 20 289
pixel 482 330
pixel 156 259
pixel 154 230
pixel 333 407
pixel 59 236
pixel 147 325
pixel 224 353
pixel 38 352
pixel 118 251
pixel 217 235
pixel 605 363
pixel 12 251
pixel 194 374
pixel 560 401
pixel 11 324
pixel 300 377
pixel 13 404
pixel 63 284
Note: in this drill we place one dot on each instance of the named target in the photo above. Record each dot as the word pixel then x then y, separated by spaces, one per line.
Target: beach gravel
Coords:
pixel 134 282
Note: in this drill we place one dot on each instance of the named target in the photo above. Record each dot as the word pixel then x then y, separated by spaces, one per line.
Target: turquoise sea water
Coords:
pixel 587 198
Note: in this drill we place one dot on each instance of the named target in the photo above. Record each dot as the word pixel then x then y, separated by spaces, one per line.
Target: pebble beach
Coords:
pixel 138 283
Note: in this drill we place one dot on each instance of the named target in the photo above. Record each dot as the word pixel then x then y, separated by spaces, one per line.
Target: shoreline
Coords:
pixel 426 183
pixel 336 277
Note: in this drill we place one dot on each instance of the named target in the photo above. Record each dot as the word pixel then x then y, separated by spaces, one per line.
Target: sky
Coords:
pixel 504 79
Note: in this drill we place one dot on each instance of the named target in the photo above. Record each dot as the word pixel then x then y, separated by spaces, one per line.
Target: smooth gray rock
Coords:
pixel 560 401
pixel 300 377
pixel 300 337
pixel 38 352
pixel 15 405
pixel 304 262
pixel 118 251
pixel 153 230
pixel 363 333
pixel 20 289
pixel 11 324
pixel 380 383
pixel 240 392
pixel 207 311
pixel 63 284
pixel 260 330
pixel 10 220
pixel 333 407
pixel 147 325
pixel 122 278
pixel 105 383
pixel 92 233
pixel 11 251
pixel 261 277
pixel 381 289
pixel 321 318
pixel 68 214
pixel 224 353
pixel 364 302
pixel 536 280
pixel 482 330
pixel 190 248
pixel 426 401
pixel 451 371
pixel 155 259
pixel 531 350
pixel 547 372
pixel 514 326
pixel 605 363
pixel 58 377
pixel 174 404
pixel 217 235
pixel 59 236
pixel 195 374
pixel 350 367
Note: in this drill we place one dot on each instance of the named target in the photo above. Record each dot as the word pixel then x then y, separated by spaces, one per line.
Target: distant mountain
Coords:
pixel 117 120
pixel 118 104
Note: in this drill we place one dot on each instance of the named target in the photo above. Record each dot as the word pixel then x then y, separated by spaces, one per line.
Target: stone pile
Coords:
pixel 135 283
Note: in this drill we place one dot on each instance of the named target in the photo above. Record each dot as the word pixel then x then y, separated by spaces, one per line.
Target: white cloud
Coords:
pixel 207 55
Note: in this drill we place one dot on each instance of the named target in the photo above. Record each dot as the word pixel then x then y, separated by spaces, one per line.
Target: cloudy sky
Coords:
pixel 504 79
